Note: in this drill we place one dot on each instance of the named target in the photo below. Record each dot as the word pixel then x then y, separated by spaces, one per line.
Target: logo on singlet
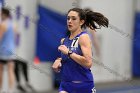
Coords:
pixel 94 90
pixel 74 43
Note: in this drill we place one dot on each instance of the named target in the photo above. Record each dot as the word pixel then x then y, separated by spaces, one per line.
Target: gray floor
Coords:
pixel 131 86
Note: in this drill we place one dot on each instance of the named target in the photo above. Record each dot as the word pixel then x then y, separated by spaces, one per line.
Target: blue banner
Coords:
pixel 136 47
pixel 51 27
pixel 2 2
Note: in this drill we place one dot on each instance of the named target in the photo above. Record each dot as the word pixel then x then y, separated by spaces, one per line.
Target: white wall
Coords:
pixel 40 75
pixel 27 39
pixel 26 49
pixel 115 47
pixel 61 6
pixel 137 2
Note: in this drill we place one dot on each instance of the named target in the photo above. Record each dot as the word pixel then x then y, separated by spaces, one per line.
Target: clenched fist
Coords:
pixel 57 65
pixel 63 49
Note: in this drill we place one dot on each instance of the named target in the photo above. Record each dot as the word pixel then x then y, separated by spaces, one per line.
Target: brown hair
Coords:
pixel 91 18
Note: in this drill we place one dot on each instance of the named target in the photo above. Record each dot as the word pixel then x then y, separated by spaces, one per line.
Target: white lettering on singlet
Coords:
pixel 74 43
pixel 94 90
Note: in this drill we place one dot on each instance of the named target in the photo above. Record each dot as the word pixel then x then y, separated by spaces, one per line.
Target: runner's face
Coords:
pixel 73 21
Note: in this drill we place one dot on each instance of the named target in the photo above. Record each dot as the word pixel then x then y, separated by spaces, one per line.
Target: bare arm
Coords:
pixel 86 59
pixel 57 64
pixel 2 30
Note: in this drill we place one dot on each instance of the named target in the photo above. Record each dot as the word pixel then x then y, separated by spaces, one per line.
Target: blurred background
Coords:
pixel 42 23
